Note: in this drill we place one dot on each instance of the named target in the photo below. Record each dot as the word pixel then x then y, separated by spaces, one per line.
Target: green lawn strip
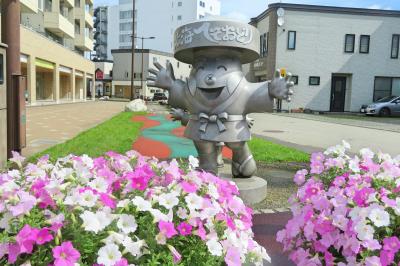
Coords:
pixel 269 152
pixel 116 134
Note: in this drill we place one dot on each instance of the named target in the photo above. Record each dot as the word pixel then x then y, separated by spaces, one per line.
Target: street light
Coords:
pixel 133 48
pixel 143 38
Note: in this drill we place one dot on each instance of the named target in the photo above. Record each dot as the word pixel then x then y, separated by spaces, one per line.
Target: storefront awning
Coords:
pixel 44 64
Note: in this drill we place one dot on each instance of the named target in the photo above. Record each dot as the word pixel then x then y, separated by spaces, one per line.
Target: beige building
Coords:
pixel 56 36
pixel 3 106
pixel 341 58
pixel 121 84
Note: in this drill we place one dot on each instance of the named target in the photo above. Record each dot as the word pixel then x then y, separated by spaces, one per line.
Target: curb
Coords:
pixel 270 211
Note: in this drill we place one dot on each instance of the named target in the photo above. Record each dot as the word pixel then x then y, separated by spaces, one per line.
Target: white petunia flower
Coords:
pixel 158 216
pixel 397 208
pixel 379 217
pixel 123 203
pixel 99 184
pixel 168 200
pixel 214 247
pixel 161 239
pixel 213 191
pixel 88 199
pixel 109 255
pixel 141 204
pixel 5 221
pixel 114 238
pixel 367 153
pixel 182 213
pixel 127 223
pixel 134 248
pixel 193 162
pixel 364 231
pixel 194 202
pixel 95 222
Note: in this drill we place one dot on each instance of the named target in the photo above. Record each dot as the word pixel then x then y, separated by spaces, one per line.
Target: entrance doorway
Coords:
pixel 338 94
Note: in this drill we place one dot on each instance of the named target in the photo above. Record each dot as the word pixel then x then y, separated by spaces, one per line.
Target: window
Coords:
pixel 125 26
pixel 1 69
pixel 77 26
pixel 179 3
pixel 364 44
pixel 202 4
pixel 125 38
pixel 264 45
pixel 201 16
pixel 125 14
pixel 314 81
pixel 349 43
pixel 295 80
pixel 179 17
pixel 40 5
pixel 291 40
pixel 77 3
pixel 395 46
pixel 385 87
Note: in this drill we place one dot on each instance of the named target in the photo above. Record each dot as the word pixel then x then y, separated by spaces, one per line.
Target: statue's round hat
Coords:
pixel 239 38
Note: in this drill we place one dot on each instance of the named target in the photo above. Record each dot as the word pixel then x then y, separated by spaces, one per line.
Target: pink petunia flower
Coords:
pixel 167 228
pixel 391 244
pixel 43 236
pixel 177 257
pixel 26 238
pixel 232 258
pixel 188 187
pixel 65 255
pixel 185 229
pixel 24 203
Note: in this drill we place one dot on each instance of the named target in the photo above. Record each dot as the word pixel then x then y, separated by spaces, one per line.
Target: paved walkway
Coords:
pixel 310 135
pixel 50 125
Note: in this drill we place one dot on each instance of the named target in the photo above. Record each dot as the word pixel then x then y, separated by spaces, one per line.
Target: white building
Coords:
pixel 341 58
pixel 121 74
pixel 154 18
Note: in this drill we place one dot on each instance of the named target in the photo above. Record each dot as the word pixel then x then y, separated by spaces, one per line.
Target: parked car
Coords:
pixel 159 96
pixel 383 107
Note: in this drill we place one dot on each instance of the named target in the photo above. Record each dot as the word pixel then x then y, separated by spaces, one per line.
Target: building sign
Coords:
pixel 99 74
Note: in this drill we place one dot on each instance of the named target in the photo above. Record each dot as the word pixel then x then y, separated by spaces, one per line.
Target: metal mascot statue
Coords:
pixel 217 95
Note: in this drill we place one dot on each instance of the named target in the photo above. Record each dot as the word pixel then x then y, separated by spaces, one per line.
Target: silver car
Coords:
pixel 384 107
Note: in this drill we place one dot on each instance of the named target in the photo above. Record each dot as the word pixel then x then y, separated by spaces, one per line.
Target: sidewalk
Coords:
pixel 53 124
pixel 310 135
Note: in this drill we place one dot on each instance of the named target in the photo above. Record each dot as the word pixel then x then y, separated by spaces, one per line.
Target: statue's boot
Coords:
pixel 207 156
pixel 243 163
pixel 220 158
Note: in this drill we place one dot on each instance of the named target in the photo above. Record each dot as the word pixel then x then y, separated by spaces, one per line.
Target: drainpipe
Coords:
pixel 10 33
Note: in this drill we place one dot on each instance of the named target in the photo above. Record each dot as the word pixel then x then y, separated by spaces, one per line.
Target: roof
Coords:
pixel 138 51
pixel 328 9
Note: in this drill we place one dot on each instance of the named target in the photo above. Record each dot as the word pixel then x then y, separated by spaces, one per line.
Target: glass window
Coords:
pixel 396 87
pixel 125 14
pixel 382 88
pixel 295 80
pixel 179 17
pixel 179 3
pixel 1 69
pixel 349 43
pixel 314 81
pixel 291 40
pixel 364 44
pixel 263 45
pixel 395 46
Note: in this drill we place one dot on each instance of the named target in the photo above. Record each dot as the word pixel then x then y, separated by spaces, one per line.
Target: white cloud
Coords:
pixel 378 6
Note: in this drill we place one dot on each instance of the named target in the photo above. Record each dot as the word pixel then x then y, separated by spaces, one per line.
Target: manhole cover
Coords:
pixel 274 131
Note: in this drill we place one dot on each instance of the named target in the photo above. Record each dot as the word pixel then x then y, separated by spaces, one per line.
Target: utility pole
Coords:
pixel 10 33
pixel 142 79
pixel 133 50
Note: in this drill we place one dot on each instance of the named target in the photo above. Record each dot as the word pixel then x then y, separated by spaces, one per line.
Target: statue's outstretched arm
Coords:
pixel 263 94
pixel 164 78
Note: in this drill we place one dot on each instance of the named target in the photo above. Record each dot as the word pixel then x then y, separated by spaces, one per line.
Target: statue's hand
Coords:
pixel 250 121
pixel 176 114
pixel 280 88
pixel 163 77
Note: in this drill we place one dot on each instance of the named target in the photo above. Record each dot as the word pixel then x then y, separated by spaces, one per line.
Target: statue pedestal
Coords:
pixel 252 190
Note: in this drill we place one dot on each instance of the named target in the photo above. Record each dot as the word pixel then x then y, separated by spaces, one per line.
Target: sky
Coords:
pixel 246 9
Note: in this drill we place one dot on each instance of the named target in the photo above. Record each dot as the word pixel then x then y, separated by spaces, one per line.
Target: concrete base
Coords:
pixel 252 190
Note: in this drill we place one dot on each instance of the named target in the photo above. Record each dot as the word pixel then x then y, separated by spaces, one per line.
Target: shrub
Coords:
pixel 121 210
pixel 346 210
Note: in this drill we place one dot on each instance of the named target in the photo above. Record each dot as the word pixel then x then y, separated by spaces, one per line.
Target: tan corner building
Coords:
pixel 121 83
pixel 55 37
pixel 3 106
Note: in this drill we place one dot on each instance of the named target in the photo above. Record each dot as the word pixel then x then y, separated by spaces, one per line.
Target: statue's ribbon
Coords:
pixel 219 119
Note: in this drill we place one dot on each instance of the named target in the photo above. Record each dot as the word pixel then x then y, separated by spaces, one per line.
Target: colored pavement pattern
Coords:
pixel 163 138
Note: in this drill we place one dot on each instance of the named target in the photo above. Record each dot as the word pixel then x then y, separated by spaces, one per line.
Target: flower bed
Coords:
pixel 121 210
pixel 346 210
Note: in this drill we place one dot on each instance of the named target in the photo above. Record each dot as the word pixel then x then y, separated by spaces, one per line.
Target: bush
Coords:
pixel 121 210
pixel 346 210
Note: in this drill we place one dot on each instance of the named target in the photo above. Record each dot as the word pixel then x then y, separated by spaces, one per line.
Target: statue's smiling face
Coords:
pixel 212 74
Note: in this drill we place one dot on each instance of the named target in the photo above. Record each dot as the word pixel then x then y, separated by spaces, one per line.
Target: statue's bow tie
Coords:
pixel 219 119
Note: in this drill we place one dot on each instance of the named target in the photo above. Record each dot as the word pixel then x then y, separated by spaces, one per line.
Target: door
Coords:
pixel 338 94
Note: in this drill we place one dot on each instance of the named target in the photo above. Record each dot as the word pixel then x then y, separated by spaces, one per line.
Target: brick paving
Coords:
pixel 265 227
pixel 52 124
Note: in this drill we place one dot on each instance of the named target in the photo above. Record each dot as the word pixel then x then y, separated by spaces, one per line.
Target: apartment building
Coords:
pixel 341 58
pixel 121 74
pixel 154 18
pixel 55 35
pixel 100 32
